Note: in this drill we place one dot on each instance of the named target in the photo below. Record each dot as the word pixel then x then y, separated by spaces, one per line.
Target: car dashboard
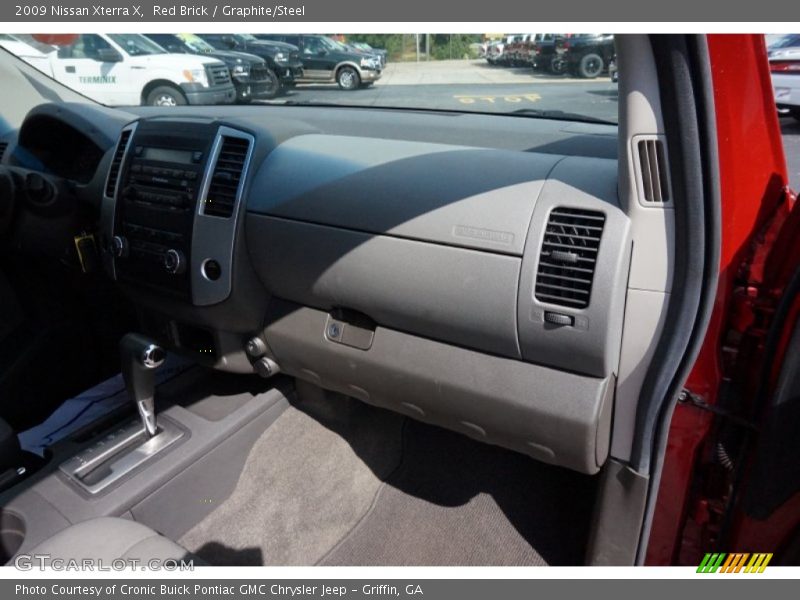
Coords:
pixel 468 280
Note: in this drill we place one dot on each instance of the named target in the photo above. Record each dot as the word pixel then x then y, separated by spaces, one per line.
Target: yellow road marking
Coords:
pixel 493 98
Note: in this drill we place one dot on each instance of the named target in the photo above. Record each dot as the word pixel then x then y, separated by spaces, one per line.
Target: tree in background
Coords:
pixel 446 46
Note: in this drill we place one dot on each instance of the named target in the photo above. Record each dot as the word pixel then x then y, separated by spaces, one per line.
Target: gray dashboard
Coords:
pixel 475 285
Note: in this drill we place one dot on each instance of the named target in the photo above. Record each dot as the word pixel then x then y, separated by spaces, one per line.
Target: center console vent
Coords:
pixel 227 177
pixel 116 163
pixel 568 256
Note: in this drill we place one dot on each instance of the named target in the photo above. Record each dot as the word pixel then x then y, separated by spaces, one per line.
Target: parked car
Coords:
pixel 586 55
pixel 282 59
pixel 518 51
pixel 327 61
pixel 783 44
pixel 251 76
pixel 494 51
pixel 785 69
pixel 543 55
pixel 498 51
pixel 124 69
pixel 381 53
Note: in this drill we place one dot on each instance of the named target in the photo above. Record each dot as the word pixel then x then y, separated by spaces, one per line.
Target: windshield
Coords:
pixel 195 43
pixel 569 77
pixel 135 44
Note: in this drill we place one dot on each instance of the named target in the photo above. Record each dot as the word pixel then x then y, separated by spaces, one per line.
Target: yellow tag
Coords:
pixel 87 251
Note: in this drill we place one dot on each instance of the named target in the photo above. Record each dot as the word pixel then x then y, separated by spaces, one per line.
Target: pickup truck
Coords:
pixel 586 55
pixel 282 59
pixel 251 76
pixel 126 69
pixel 326 61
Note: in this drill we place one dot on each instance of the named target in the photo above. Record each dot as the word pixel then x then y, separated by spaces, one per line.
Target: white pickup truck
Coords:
pixel 127 69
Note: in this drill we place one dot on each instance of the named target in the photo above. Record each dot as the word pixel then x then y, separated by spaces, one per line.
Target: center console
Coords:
pixel 174 188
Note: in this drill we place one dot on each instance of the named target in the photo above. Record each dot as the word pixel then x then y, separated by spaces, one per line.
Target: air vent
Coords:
pixel 653 171
pixel 116 163
pixel 224 186
pixel 568 257
pixel 3 146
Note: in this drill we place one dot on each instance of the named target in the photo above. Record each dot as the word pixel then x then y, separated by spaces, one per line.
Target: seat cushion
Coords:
pixel 110 538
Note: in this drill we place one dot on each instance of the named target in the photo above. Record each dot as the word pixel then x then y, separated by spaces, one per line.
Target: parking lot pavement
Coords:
pixel 442 72
pixel 592 99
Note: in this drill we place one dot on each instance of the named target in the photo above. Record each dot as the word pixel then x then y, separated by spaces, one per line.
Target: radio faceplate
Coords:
pixel 161 237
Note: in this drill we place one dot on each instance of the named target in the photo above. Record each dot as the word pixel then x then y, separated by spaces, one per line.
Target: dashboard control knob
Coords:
pixel 255 347
pixel 119 246
pixel 174 261
pixel 266 367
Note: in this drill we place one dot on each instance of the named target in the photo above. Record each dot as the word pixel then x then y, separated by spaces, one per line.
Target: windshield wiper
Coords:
pixel 559 115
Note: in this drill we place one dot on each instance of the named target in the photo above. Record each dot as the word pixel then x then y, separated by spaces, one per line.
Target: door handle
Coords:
pixel 69 69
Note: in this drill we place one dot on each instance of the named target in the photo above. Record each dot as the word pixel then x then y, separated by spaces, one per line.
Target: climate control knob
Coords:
pixel 119 246
pixel 174 261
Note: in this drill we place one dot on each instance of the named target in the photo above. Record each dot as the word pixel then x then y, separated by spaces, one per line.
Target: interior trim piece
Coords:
pixel 108 208
pixel 212 236
pixel 687 96
pixel 101 466
pixel 551 415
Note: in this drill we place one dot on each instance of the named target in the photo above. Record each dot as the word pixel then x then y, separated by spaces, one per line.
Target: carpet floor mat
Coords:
pixel 455 501
pixel 336 482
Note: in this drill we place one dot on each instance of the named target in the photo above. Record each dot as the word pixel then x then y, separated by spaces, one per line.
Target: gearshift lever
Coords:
pixel 111 458
pixel 140 358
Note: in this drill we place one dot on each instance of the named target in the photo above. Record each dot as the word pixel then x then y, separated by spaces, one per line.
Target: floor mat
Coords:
pixel 336 482
pixel 455 501
pixel 307 481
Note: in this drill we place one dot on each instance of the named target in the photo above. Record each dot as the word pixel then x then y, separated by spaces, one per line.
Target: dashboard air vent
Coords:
pixel 116 163
pixel 224 186
pixel 3 146
pixel 568 257
pixel 653 171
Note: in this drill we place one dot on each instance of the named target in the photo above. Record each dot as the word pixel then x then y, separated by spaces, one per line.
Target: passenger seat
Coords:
pixel 107 539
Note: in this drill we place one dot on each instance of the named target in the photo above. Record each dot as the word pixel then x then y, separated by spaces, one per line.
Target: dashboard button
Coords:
pixel 174 261
pixel 558 318
pixel 119 246
pixel 212 270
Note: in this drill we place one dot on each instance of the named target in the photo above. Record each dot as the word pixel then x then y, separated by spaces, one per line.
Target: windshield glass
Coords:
pixel 135 44
pixel 564 76
pixel 196 43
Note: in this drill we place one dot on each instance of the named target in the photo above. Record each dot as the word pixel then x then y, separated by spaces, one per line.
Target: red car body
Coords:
pixel 760 238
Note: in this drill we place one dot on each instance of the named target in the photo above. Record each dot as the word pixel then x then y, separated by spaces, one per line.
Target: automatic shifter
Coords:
pixel 140 359
pixel 122 450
